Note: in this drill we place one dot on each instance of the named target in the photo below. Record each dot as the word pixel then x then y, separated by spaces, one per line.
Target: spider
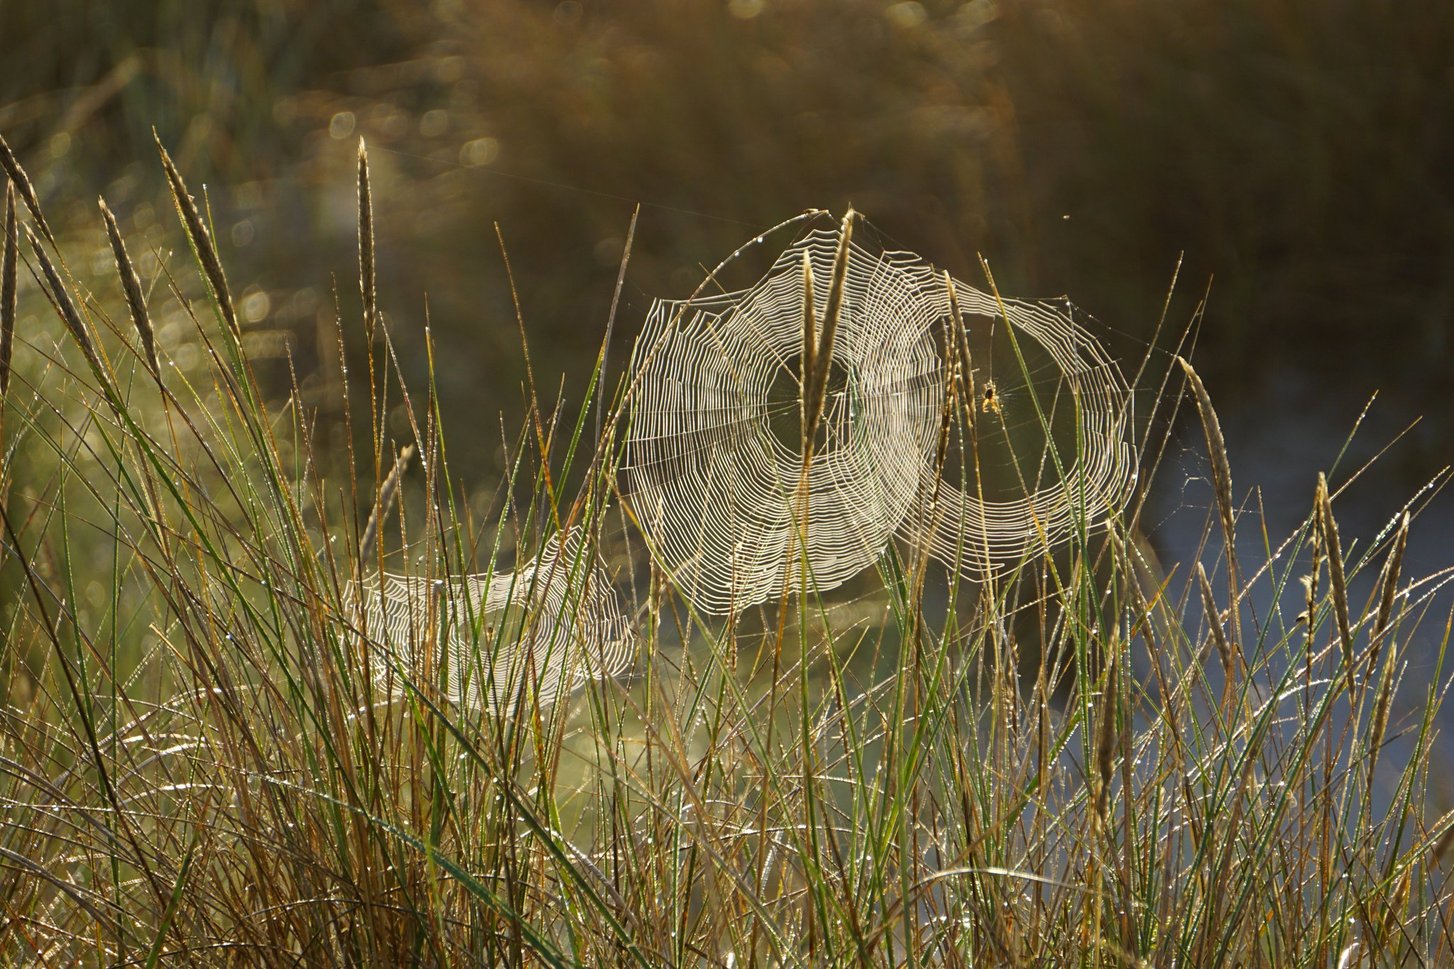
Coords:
pixel 989 402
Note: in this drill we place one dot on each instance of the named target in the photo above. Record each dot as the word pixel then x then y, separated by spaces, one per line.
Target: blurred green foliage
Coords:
pixel 1300 153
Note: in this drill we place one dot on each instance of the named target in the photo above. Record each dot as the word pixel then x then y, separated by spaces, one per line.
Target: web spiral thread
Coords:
pixel 543 630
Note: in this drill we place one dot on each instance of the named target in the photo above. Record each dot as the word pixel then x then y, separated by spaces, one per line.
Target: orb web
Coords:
pixel 543 630
pixel 1040 462
pixel 720 493
pixel 725 497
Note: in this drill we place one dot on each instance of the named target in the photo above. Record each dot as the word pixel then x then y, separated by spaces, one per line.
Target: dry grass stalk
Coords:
pixel 1393 914
pixel 603 367
pixel 941 453
pixel 1310 587
pixel 810 339
pixel 1388 591
pixel 8 263
pixel 1107 742
pixel 1336 578
pixel 958 352
pixel 1219 637
pixel 1222 483
pixel 20 180
pixel 201 241
pixel 1381 704
pixel 832 310
pixel 60 298
pixel 131 285
pixel 366 271
pixel 952 334
pixel 387 491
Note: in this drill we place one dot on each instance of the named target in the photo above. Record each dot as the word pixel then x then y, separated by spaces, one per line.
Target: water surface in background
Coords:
pixel 1278 438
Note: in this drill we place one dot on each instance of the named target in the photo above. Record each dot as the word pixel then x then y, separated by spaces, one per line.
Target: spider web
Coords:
pixel 728 503
pixel 546 628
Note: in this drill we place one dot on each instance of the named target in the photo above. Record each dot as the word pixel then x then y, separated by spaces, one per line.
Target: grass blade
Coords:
pixel 131 286
pixel 201 241
pixel 7 290
pixel 21 181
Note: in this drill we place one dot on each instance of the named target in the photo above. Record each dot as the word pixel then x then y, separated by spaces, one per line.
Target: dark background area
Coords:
pixel 1296 158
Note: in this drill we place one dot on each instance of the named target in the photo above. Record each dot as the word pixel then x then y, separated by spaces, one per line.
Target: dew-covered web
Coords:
pixel 1042 447
pixel 1020 451
pixel 550 627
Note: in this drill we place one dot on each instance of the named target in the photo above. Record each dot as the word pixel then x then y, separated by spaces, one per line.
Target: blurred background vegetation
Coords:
pixel 1299 153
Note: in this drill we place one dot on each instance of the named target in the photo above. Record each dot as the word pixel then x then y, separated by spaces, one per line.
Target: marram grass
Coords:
pixel 204 762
